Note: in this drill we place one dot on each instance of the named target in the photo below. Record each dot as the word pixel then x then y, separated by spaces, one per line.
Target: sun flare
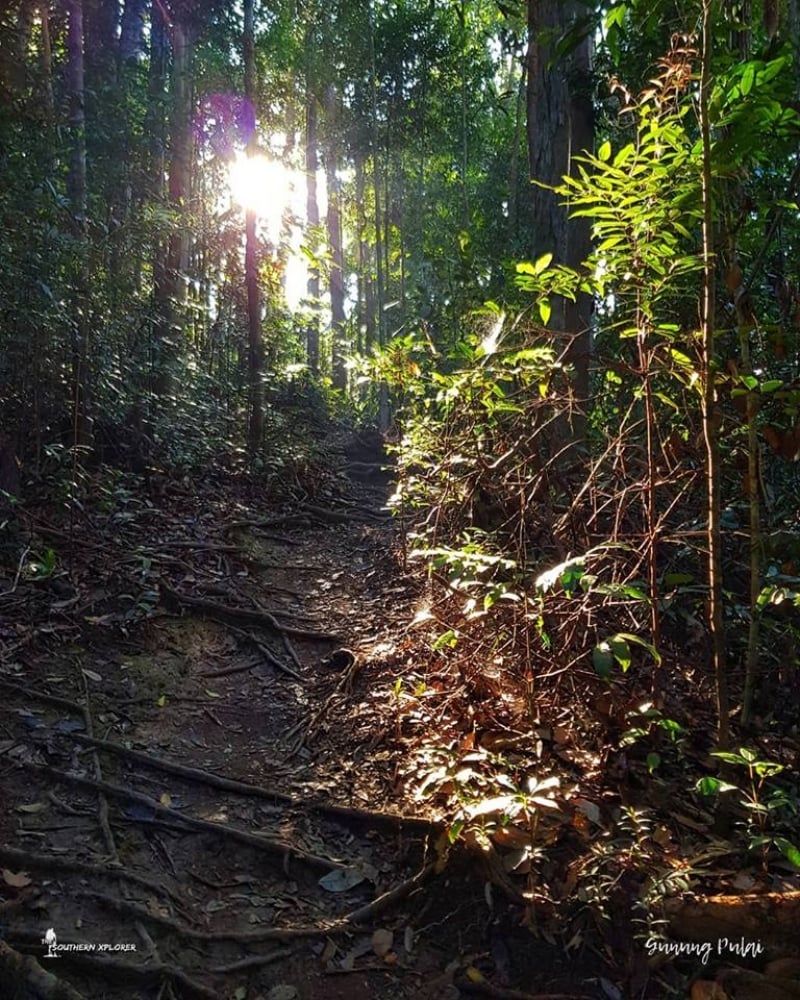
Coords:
pixel 263 186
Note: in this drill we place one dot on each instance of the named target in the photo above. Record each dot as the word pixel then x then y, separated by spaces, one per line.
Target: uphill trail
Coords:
pixel 200 753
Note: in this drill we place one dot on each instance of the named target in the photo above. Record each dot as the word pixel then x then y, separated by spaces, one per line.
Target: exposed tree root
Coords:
pixel 59 862
pixel 114 969
pixel 22 978
pixel 256 840
pixel 212 780
pixel 770 919
pixel 226 614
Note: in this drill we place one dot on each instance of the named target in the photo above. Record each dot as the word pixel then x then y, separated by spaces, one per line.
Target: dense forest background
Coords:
pixel 535 243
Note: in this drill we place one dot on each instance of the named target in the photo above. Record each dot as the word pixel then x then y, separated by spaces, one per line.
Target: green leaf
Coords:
pixel 708 786
pixel 604 152
pixel 748 79
pixel 712 786
pixel 621 651
pixel 545 309
pixel 615 17
pixel 653 760
pixel 542 263
pixel 508 805
pixel 602 660
pixel 624 155
pixel 788 850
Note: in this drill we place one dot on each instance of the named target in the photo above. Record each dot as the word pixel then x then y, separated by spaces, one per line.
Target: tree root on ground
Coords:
pixel 58 862
pixel 212 780
pixel 23 978
pixel 225 830
pixel 769 918
pixel 174 600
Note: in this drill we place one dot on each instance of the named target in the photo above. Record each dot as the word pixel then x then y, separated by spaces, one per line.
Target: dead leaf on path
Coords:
pixel 32 808
pixel 282 992
pixel 341 880
pixel 16 880
pixel 382 941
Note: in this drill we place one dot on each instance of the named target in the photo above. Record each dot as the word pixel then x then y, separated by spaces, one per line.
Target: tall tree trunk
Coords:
pixel 169 287
pixel 560 126
pixel 101 20
pixel 366 283
pixel 710 428
pixel 47 68
pixel 312 203
pixel 76 189
pixel 132 47
pixel 334 223
pixel 255 345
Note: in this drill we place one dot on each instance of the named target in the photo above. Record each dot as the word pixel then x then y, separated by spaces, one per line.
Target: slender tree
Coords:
pixel 560 127
pixel 76 187
pixel 255 344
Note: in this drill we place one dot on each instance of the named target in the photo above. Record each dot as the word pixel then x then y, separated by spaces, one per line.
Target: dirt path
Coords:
pixel 205 644
pixel 201 762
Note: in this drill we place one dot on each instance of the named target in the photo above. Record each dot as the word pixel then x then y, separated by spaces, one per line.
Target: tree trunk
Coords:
pixel 560 127
pixel 334 222
pixel 709 406
pixel 132 47
pixel 255 345
pixel 101 20
pixel 76 190
pixel 312 205
pixel 169 287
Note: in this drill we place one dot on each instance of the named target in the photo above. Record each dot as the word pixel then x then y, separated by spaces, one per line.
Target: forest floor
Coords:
pixel 211 765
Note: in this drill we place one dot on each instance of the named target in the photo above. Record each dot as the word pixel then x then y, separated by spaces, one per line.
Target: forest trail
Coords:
pixel 201 758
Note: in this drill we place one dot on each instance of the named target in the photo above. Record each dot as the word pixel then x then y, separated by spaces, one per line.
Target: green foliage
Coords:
pixel 770 807
pixel 485 800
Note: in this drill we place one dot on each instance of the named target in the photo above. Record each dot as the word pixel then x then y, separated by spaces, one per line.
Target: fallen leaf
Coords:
pixel 17 880
pixel 32 808
pixel 282 992
pixel 341 880
pixel 382 941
